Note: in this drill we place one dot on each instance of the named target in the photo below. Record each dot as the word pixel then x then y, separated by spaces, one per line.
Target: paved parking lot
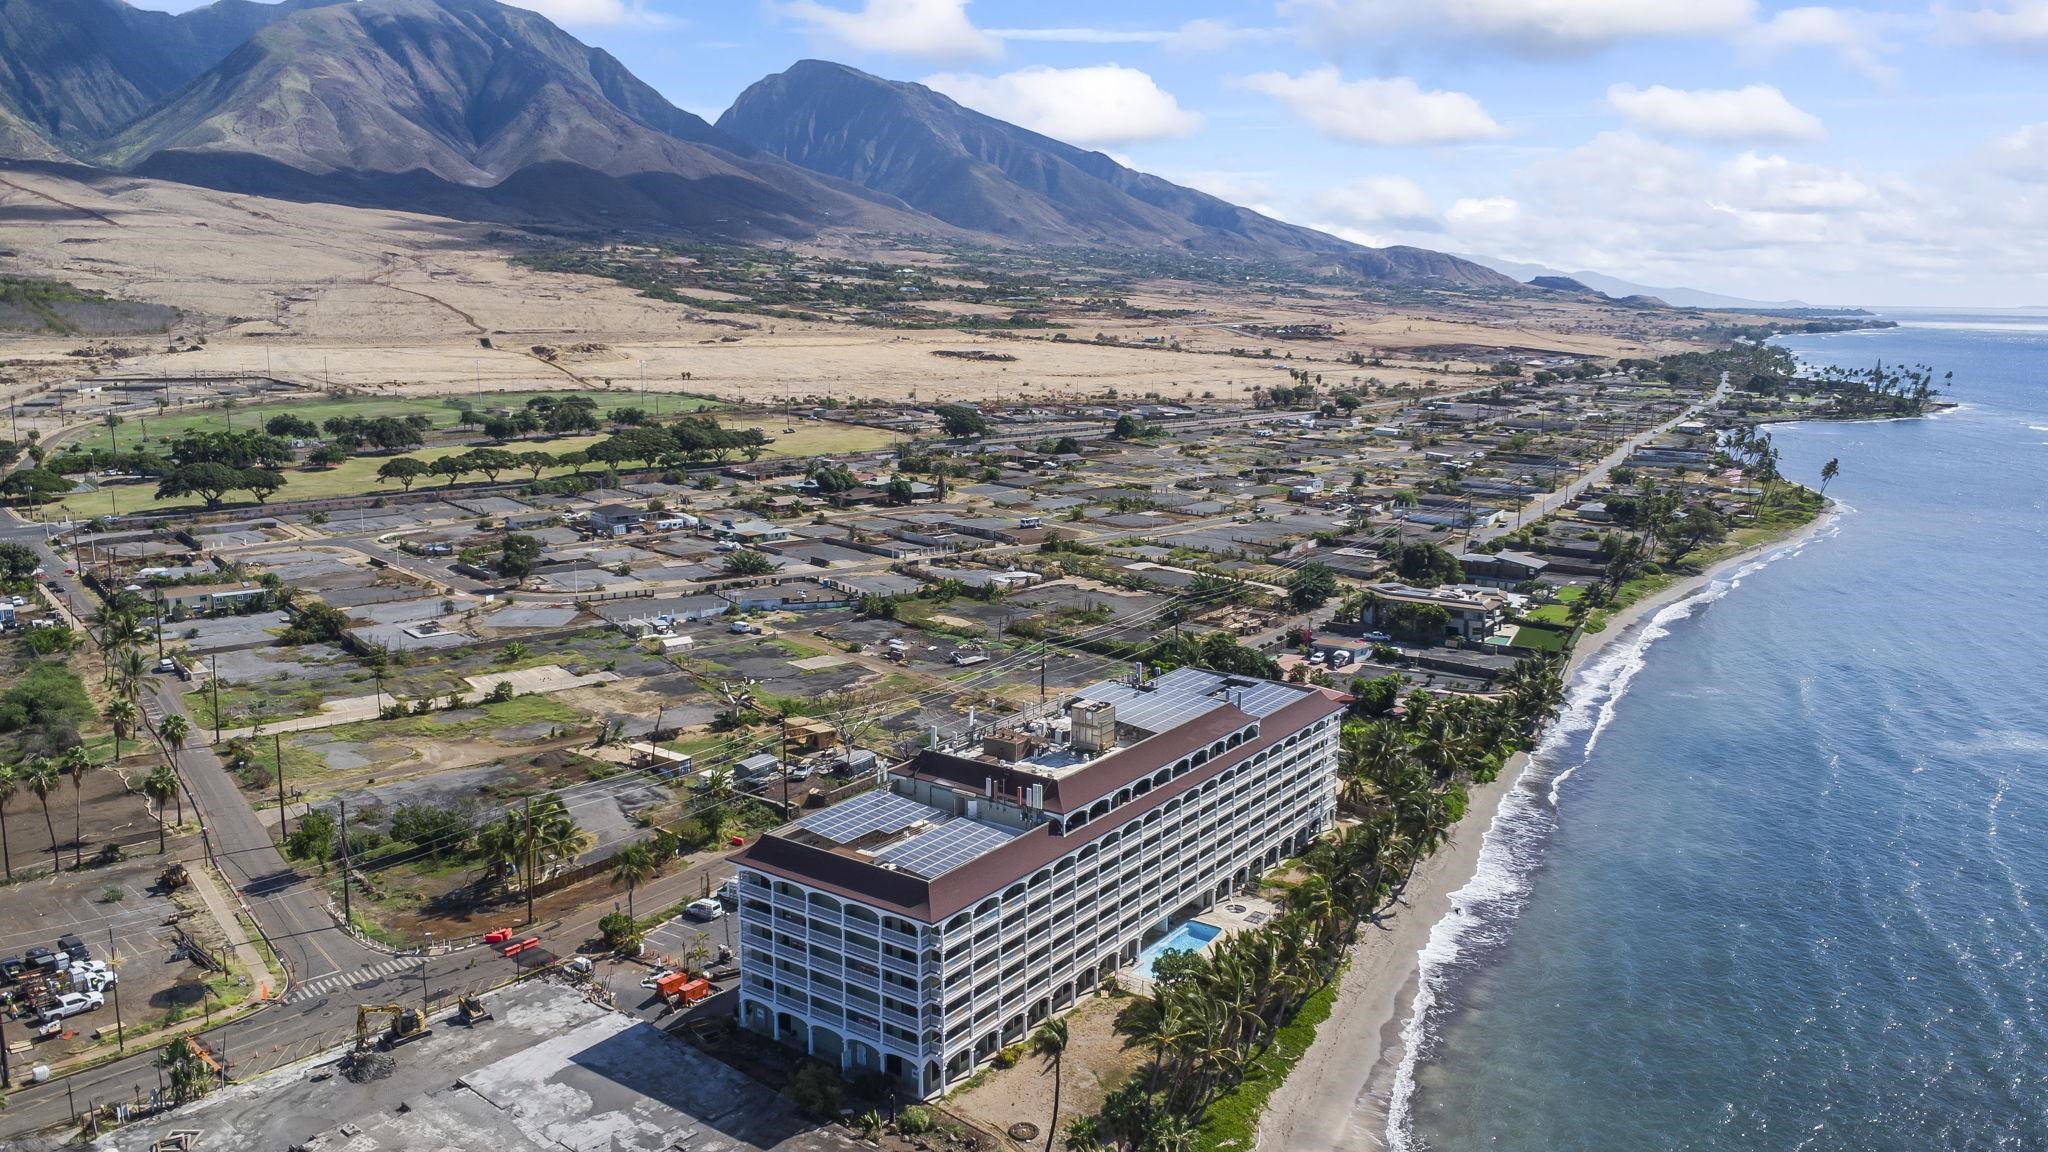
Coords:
pixel 551 1071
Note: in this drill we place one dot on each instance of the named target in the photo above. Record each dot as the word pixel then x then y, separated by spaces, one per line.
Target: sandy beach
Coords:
pixel 1337 1097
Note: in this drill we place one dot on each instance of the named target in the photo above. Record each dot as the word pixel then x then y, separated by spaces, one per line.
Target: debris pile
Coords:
pixel 363 1067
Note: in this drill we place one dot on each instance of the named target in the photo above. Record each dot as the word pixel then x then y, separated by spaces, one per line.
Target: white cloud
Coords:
pixel 1543 25
pixel 1101 104
pixel 1082 35
pixel 2006 22
pixel 1754 112
pixel 1388 112
pixel 1377 201
pixel 589 13
pixel 1195 36
pixel 1853 35
pixel 1483 212
pixel 936 29
pixel 1248 189
pixel 2023 154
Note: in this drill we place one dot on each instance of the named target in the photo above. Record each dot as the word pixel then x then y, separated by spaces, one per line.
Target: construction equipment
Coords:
pixel 172 878
pixel 471 1009
pixel 407 1025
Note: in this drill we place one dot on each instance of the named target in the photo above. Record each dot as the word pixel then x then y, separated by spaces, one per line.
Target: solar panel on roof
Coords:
pixel 933 854
pixel 869 812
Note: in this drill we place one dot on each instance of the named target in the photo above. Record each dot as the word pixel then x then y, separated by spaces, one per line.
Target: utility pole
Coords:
pixel 783 753
pixel 345 919
pixel 283 820
pixel 120 1035
pixel 529 859
pixel 213 680
pixel 1041 672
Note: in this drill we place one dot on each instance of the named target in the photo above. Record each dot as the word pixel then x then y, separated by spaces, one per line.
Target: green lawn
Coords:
pixel 1551 614
pixel 440 409
pixel 1540 639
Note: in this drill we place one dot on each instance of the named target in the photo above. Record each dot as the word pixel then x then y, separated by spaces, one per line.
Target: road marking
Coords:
pixel 312 989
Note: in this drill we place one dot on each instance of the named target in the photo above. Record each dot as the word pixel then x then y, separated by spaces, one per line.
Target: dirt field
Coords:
pixel 399 304
pixel 1096 1063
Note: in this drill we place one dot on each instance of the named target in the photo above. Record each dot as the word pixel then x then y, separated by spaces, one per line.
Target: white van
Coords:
pixel 706 909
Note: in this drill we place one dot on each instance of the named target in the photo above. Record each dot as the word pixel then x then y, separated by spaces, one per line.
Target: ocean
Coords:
pixel 1781 879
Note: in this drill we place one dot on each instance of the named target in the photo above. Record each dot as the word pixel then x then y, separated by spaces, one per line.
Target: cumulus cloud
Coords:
pixel 1482 211
pixel 1392 112
pixel 1541 25
pixel 1376 202
pixel 1753 112
pixel 591 13
pixel 1852 35
pixel 935 29
pixel 1097 105
pixel 2023 154
pixel 2007 22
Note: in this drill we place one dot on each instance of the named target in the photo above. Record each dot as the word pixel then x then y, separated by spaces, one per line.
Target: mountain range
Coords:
pixel 478 110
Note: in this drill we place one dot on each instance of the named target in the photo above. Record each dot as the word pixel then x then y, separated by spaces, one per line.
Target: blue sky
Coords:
pixel 1889 154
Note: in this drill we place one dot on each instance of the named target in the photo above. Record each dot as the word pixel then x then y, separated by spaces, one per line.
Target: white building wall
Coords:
pixel 850 982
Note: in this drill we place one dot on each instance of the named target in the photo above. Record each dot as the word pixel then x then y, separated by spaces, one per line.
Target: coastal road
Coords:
pixel 1553 501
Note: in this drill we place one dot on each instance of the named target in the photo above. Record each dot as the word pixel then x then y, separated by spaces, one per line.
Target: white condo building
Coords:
pixel 914 930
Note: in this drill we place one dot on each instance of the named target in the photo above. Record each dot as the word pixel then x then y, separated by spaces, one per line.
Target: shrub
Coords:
pixel 917 1120
pixel 1008 1057
pixel 620 933
pixel 816 1090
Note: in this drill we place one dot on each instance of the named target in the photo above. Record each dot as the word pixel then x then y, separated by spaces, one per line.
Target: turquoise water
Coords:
pixel 1192 936
pixel 1777 880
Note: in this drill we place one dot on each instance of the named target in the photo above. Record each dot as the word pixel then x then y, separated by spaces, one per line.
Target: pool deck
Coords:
pixel 1233 915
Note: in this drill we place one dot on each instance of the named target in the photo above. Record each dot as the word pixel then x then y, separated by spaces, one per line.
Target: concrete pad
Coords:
pixel 817 663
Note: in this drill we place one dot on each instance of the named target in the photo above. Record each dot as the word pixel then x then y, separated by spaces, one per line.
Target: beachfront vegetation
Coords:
pixel 1218 1016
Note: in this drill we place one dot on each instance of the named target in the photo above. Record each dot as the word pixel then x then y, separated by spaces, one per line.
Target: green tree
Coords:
pixel 313 839
pixel 1128 427
pixel 405 470
pixel 631 866
pixel 1311 586
pixel 161 785
pixel 10 783
pixel 120 715
pixel 747 562
pixel 961 421
pixel 42 777
pixel 1828 472
pixel 518 554
pixel 174 730
pixel 76 763
pixel 1050 1041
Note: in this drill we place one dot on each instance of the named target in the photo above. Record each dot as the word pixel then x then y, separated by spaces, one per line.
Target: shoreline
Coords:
pixel 1336 1099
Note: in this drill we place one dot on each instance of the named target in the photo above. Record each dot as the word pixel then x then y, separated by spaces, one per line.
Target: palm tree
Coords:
pixel 77 763
pixel 43 775
pixel 160 785
pixel 130 669
pixel 1050 1041
pixel 173 730
pixel 120 714
pixel 1828 472
pixel 10 782
pixel 500 845
pixel 631 865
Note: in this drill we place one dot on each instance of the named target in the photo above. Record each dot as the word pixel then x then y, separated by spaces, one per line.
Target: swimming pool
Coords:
pixel 1192 936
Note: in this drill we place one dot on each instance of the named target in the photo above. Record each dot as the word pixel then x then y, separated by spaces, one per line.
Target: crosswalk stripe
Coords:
pixel 329 983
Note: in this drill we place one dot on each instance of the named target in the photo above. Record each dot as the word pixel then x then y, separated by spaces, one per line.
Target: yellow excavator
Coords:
pixel 407 1025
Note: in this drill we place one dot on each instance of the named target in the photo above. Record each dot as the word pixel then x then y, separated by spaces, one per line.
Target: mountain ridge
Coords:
pixel 977 172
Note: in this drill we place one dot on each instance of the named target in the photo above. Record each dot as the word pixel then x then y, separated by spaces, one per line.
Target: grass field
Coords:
pixel 442 410
pixel 358 476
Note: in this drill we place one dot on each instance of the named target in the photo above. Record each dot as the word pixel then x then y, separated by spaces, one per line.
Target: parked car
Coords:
pixel 75 947
pixel 1378 638
pixel 729 894
pixel 40 958
pixel 72 1004
pixel 11 969
pixel 706 910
